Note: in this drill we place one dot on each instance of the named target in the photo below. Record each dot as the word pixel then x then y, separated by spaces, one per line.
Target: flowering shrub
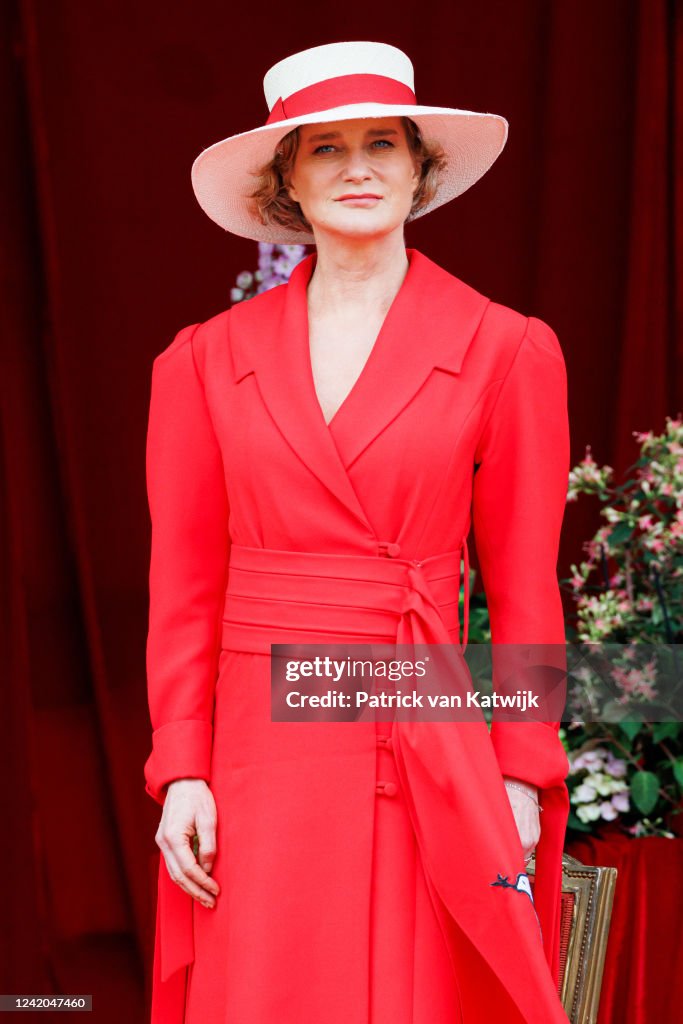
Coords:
pixel 602 791
pixel 275 264
pixel 628 592
pixel 641 598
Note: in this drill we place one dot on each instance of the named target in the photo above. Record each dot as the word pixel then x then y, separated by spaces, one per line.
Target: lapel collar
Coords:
pixel 431 322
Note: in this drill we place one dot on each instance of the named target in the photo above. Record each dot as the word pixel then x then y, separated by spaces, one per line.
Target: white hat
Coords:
pixel 335 82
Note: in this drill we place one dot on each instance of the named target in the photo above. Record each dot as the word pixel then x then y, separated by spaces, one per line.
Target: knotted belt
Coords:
pixel 281 597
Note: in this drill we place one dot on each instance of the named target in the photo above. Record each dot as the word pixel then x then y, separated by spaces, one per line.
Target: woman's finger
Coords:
pixel 206 833
pixel 193 872
pixel 179 876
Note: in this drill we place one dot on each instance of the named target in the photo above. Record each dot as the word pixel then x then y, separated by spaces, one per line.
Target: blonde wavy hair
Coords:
pixel 275 205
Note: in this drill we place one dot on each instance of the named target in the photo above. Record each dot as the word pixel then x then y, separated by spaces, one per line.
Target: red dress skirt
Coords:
pixel 411 979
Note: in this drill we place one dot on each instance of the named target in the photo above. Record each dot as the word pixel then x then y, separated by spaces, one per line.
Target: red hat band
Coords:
pixel 339 91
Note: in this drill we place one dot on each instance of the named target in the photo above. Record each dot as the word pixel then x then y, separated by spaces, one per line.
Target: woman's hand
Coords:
pixel 189 809
pixel 527 815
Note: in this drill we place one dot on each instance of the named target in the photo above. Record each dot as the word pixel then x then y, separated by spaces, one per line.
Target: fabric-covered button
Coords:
pixel 384 741
pixel 389 549
pixel 387 788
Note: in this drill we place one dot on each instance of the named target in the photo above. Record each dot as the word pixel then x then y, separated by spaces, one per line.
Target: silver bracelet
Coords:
pixel 515 786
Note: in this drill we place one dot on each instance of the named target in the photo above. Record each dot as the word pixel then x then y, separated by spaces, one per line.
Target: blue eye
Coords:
pixel 328 145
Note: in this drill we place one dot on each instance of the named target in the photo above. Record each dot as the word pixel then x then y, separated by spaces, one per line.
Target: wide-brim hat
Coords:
pixel 336 82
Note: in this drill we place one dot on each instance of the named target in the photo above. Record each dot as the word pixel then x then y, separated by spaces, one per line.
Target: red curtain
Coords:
pixel 642 976
pixel 106 255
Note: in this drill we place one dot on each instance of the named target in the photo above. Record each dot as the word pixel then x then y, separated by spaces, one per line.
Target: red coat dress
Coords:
pixel 369 871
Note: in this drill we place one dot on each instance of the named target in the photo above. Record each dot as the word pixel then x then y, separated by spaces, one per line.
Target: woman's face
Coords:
pixel 354 158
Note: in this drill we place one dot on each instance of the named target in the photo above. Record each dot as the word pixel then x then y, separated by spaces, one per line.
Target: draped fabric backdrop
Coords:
pixel 106 254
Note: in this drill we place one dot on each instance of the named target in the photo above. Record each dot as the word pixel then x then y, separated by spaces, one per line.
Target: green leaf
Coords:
pixel 645 791
pixel 624 740
pixel 613 712
pixel 620 534
pixel 630 729
pixel 665 731
pixel 678 772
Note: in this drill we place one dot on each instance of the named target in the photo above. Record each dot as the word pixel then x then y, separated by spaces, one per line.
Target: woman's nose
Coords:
pixel 357 165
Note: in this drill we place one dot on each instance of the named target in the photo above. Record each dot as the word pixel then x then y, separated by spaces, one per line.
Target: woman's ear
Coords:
pixel 291 191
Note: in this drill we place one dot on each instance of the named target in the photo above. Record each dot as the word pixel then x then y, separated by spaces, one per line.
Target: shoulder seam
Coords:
pixel 181 338
pixel 554 348
pixel 195 364
pixel 503 379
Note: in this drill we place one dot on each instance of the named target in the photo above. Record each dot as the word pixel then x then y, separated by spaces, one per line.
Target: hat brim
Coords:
pixel 224 174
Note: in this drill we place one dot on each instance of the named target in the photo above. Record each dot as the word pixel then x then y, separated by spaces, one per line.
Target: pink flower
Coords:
pixel 589 759
pixel 616 766
pixel 607 810
pixel 635 682
pixel 621 802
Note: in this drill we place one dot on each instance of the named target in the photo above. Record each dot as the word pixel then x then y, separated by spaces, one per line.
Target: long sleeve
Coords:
pixel 519 497
pixel 188 568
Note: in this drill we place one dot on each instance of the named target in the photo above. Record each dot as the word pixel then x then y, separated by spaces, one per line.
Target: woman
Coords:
pixel 315 458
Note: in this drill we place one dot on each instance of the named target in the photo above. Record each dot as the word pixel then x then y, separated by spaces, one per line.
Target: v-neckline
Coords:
pixel 372 357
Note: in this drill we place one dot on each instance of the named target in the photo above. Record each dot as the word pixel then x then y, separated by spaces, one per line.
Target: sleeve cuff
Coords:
pixel 530 751
pixel 179 750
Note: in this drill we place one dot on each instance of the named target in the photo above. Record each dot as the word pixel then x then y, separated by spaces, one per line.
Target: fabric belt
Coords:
pixel 280 597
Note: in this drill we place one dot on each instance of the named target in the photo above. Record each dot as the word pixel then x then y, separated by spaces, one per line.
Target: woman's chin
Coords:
pixel 358 225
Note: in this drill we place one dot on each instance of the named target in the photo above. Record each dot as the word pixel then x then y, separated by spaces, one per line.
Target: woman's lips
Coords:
pixel 360 200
